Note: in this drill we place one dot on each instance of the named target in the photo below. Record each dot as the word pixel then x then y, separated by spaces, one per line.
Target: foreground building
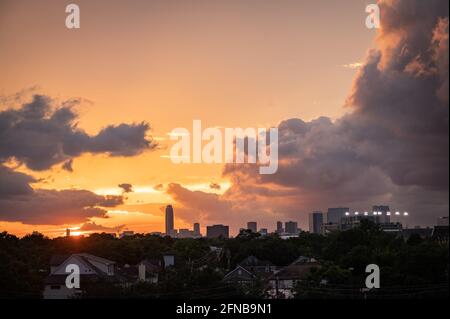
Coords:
pixel 282 283
pixel 92 268
pixel 250 269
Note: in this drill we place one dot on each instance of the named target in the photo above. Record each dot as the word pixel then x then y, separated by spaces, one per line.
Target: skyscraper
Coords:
pixel 315 222
pixel 197 230
pixel 279 228
pixel 169 220
pixel 252 226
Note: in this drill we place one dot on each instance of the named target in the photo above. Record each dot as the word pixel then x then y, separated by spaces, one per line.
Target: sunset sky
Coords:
pixel 362 114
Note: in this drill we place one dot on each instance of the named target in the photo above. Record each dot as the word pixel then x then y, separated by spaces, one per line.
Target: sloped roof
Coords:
pixel 97 259
pixel 57 260
pixel 294 272
pixel 239 274
pixel 297 270
pixel 254 262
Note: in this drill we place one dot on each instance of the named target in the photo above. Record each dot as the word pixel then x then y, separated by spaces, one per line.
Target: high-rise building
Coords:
pixel 315 222
pixel 334 215
pixel 68 232
pixel 169 221
pixel 382 216
pixel 252 226
pixel 197 232
pixel 217 231
pixel 291 227
pixel 280 229
pixel 263 231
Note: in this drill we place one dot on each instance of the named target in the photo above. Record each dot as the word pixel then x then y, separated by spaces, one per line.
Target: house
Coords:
pixel 249 269
pixel 283 281
pixel 257 266
pixel 240 275
pixel 92 268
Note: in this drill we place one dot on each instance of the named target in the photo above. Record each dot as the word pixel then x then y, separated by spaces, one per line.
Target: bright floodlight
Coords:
pixel 366 213
pixel 405 214
pixel 388 213
pixel 347 214
pixel 356 213
pixel 397 213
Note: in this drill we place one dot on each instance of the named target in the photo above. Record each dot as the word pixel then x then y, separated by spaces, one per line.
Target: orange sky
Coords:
pixel 229 63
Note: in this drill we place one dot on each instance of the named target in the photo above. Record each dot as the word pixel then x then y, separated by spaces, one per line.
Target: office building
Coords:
pixel 291 227
pixel 169 221
pixel 280 229
pixel 252 226
pixel 197 232
pixel 315 222
pixel 217 231
pixel 334 215
pixel 383 214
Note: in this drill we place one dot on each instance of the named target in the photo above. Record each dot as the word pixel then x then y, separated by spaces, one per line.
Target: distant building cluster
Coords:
pixel 182 232
pixel 335 219
pixel 340 218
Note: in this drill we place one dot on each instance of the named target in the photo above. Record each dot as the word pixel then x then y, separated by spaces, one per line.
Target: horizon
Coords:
pixel 87 115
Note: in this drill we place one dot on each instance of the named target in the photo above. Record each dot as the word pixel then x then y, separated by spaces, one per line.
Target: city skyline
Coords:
pixel 86 115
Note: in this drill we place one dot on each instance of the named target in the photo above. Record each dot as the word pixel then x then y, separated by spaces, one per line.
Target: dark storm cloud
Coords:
pixel 391 148
pixel 14 183
pixel 51 207
pixel 19 202
pixel 40 135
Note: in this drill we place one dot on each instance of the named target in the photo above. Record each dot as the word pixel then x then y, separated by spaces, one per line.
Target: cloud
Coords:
pixel 126 187
pixel 40 135
pixel 392 147
pixel 93 227
pixel 19 202
pixel 52 207
pixel 14 183
pixel 210 208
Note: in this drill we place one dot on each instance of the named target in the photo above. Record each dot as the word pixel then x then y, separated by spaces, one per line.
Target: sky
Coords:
pixel 362 113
